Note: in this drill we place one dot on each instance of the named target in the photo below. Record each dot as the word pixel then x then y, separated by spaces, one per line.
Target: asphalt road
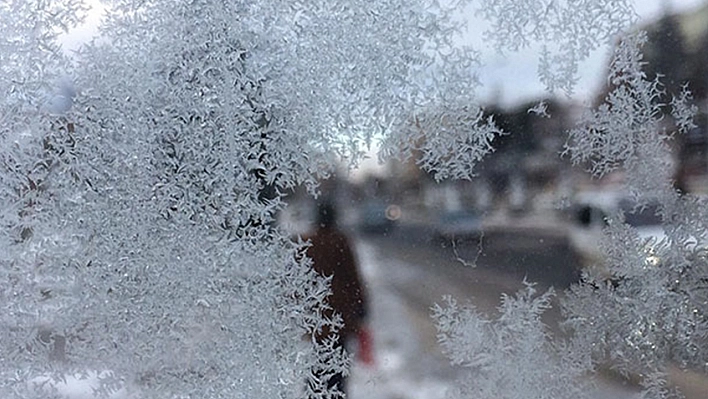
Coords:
pixel 423 270
pixel 408 273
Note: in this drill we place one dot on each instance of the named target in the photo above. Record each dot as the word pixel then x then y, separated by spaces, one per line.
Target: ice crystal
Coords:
pixel 649 310
pixel 540 109
pixel 139 192
pixel 626 131
pixel 512 356
pixel 448 142
pixel 139 185
pixel 683 110
pixel 568 31
pixel 651 315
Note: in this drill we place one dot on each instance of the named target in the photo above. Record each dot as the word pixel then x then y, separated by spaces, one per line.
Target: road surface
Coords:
pixel 406 274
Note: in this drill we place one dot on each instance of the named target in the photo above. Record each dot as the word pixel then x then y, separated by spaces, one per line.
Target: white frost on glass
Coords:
pixel 650 309
pixel 448 140
pixel 512 356
pixel 540 109
pixel 568 30
pixel 626 132
pixel 139 194
pixel 139 184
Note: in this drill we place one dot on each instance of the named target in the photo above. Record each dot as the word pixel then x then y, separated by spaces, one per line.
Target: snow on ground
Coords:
pixel 400 372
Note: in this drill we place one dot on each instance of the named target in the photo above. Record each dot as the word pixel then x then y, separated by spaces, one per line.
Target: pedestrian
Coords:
pixel 332 256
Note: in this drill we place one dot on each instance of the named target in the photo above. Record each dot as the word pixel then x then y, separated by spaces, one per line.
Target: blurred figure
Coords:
pixel 332 256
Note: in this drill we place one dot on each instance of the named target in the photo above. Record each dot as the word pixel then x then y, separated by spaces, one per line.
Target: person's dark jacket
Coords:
pixel 332 255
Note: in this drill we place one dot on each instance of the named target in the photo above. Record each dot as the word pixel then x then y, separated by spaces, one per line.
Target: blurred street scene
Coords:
pixel 409 363
pixel 528 215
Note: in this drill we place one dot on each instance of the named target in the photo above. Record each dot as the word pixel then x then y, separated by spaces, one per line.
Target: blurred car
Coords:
pixel 589 216
pixel 378 217
pixel 458 225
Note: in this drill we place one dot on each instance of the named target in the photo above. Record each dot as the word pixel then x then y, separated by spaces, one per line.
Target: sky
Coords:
pixel 507 79
pixel 512 79
pixel 74 38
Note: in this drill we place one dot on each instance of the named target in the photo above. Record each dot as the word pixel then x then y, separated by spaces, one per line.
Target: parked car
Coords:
pixel 378 217
pixel 589 216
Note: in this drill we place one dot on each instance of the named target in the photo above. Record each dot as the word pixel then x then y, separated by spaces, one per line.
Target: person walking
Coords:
pixel 332 256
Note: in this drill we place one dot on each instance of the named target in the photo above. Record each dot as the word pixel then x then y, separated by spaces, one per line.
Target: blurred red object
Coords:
pixel 365 346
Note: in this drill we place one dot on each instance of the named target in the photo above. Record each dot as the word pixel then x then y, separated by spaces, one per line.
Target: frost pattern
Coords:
pixel 30 65
pixel 540 109
pixel 351 73
pixel 651 313
pixel 139 186
pixel 569 30
pixel 510 357
pixel 683 110
pixel 138 237
pixel 626 131
pixel 448 142
pixel 651 310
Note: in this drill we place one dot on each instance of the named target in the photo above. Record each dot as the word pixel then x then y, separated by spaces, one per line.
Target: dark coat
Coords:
pixel 332 255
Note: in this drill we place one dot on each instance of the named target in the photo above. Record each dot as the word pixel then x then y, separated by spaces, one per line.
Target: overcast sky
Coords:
pixel 512 79
pixel 509 80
